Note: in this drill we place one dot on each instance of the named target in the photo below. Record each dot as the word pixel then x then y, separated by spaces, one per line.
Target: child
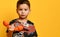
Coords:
pixel 23 9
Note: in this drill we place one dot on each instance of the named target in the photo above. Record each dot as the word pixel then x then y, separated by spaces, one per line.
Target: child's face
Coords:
pixel 23 10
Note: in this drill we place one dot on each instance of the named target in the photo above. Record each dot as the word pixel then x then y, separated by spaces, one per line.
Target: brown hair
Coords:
pixel 19 2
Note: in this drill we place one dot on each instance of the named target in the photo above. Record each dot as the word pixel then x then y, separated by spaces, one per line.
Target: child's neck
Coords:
pixel 23 20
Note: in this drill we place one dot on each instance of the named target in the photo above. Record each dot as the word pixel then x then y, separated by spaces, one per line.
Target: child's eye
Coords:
pixel 25 9
pixel 20 9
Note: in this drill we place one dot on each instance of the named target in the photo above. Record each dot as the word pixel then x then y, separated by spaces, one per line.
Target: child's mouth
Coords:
pixel 22 15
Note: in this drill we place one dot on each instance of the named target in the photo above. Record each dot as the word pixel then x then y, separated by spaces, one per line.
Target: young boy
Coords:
pixel 23 9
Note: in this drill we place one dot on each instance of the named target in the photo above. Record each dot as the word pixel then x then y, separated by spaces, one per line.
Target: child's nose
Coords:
pixel 23 11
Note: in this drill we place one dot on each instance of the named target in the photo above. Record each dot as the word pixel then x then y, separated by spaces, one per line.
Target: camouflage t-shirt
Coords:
pixel 19 34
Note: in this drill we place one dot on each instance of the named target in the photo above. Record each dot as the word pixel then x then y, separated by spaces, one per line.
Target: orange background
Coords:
pixel 44 13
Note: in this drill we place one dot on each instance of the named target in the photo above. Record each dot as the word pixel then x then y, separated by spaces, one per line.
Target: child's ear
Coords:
pixel 16 10
pixel 30 10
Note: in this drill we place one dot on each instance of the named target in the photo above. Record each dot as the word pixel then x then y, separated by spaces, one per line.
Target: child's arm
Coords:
pixel 35 34
pixel 10 31
pixel 9 34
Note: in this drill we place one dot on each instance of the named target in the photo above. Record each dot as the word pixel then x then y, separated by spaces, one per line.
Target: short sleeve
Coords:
pixel 11 22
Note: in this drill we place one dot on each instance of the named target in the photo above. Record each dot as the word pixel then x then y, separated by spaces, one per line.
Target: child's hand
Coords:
pixel 11 27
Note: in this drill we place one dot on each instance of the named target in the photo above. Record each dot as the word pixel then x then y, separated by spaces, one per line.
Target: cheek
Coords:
pixel 19 12
pixel 26 12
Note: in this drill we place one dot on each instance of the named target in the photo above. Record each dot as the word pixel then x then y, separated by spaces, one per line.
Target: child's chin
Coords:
pixel 23 17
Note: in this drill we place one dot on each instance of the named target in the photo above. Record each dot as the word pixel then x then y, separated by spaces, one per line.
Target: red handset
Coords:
pixel 5 23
